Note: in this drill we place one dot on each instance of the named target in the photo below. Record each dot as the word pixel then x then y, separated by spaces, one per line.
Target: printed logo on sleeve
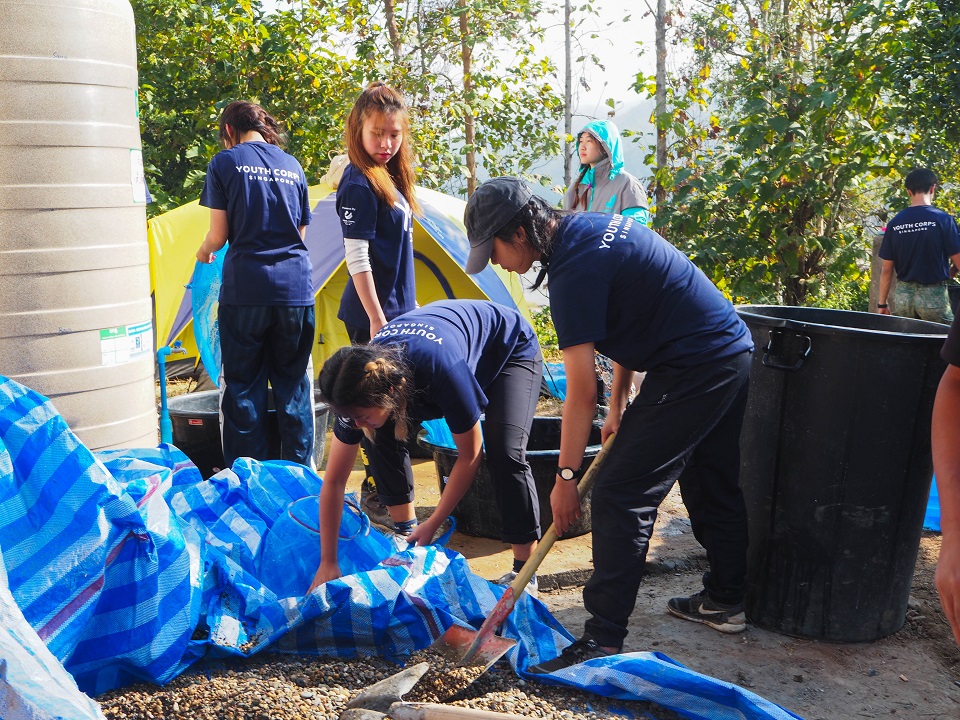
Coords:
pixel 346 215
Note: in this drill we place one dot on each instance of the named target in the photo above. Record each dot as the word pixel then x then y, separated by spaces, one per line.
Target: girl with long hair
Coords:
pixel 453 359
pixel 257 195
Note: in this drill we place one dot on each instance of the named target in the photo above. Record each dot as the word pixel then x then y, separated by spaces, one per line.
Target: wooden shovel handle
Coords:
pixel 432 711
pixel 550 536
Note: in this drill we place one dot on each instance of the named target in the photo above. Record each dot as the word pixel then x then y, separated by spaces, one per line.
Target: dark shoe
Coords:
pixel 375 510
pixel 700 608
pixel 578 651
pixel 532 588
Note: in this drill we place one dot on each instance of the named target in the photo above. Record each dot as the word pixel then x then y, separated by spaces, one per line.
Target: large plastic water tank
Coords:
pixel 75 309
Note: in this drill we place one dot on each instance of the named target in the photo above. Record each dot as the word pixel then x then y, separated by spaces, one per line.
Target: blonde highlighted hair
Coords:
pixel 397 175
pixel 365 376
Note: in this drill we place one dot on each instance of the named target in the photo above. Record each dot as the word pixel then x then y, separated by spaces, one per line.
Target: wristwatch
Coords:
pixel 568 473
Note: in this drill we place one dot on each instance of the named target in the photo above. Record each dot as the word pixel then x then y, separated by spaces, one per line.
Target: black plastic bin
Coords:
pixel 477 513
pixel 836 467
pixel 196 429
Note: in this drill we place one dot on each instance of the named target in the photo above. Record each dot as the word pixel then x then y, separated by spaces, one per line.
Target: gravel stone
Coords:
pixel 301 687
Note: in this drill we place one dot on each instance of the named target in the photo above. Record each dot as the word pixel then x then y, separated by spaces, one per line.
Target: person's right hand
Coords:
pixel 565 504
pixel 948 583
pixel 375 325
pixel 325 573
pixel 884 311
pixel 205 257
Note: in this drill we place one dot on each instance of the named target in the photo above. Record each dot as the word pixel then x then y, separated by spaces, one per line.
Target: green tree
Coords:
pixel 783 128
pixel 485 102
pixel 194 58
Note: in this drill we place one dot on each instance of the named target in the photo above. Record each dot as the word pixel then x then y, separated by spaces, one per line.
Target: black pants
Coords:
pixel 512 402
pixel 261 344
pixel 683 426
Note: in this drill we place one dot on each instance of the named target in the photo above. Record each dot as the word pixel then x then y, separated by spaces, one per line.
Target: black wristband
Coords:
pixel 882 306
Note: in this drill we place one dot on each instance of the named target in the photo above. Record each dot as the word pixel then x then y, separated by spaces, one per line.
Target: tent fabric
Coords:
pixel 129 566
pixel 440 251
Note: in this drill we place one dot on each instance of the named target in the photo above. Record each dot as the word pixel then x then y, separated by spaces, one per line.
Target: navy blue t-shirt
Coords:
pixel 920 241
pixel 641 301
pixel 390 232
pixel 264 191
pixel 456 349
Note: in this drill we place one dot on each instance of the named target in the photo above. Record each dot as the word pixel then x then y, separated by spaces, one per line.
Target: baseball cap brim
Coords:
pixel 479 256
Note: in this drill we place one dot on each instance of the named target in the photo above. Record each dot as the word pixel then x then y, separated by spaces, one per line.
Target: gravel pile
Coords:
pixel 296 687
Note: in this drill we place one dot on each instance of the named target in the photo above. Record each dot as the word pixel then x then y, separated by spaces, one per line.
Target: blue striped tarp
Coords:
pixel 129 566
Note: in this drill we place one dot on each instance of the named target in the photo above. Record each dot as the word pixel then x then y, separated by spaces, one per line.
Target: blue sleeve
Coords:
pixel 346 432
pixel 213 196
pixel 952 242
pixel 306 214
pixel 357 207
pixel 460 398
pixel 640 214
pixel 579 309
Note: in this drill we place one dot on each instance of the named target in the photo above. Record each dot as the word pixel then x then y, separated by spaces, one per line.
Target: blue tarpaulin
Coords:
pixel 127 565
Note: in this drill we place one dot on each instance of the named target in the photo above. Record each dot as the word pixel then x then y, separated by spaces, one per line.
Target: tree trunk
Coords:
pixel 660 192
pixel 392 30
pixel 469 130
pixel 567 99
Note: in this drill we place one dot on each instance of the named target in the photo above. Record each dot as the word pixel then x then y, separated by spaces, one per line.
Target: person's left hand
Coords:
pixel 948 583
pixel 205 257
pixel 423 533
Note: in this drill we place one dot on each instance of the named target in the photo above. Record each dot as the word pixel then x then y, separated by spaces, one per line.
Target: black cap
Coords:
pixel 491 206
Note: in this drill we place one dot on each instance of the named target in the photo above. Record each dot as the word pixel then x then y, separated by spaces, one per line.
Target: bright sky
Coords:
pixel 616 46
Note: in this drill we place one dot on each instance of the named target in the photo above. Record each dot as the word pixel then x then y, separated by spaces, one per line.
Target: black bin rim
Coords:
pixel 845 322
pixel 589 451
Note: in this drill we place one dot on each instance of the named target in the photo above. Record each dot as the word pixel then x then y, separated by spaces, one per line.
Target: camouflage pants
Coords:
pixel 927 302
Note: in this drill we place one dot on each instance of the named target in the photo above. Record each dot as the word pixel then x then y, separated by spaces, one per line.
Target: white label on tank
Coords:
pixel 137 177
pixel 123 344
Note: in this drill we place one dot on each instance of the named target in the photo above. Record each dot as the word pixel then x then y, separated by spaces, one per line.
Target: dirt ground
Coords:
pixel 914 673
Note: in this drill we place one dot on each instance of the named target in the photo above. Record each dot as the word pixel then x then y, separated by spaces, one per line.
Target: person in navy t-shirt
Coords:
pixel 945 435
pixel 918 244
pixel 375 202
pixel 453 359
pixel 257 195
pixel 618 287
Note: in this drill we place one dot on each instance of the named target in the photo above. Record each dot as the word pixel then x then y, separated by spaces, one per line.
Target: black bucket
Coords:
pixel 196 429
pixel 477 513
pixel 836 467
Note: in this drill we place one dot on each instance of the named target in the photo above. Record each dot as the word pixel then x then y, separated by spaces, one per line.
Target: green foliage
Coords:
pixel 307 61
pixel 546 334
pixel 783 128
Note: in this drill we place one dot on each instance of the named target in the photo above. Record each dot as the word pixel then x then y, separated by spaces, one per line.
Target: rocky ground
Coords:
pixel 914 673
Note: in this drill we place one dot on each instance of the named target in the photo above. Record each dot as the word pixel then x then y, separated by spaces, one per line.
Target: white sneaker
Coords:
pixel 532 588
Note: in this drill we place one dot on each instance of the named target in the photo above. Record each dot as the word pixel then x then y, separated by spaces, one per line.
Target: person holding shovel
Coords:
pixel 453 359
pixel 946 466
pixel 618 287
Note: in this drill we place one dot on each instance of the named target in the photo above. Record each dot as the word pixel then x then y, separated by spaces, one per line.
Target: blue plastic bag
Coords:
pixel 205 297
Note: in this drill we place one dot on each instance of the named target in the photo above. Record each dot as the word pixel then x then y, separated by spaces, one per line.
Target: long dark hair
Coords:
pixel 535 218
pixel 397 175
pixel 246 116
pixel 369 376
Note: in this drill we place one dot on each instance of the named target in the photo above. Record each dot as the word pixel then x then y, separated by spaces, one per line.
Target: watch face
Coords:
pixel 567 473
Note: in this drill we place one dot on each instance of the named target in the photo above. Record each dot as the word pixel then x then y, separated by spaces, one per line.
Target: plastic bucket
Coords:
pixel 195 418
pixel 477 513
pixel 836 467
pixel 291 549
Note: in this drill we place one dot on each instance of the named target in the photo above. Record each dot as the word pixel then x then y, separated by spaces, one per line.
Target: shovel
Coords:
pixel 385 699
pixel 482 648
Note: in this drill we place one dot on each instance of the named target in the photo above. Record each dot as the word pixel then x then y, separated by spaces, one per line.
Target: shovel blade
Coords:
pixel 456 642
